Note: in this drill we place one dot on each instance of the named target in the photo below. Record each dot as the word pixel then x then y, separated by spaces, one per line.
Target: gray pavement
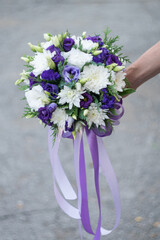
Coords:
pixel 28 209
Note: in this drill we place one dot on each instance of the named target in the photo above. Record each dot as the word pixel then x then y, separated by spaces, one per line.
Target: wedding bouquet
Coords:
pixel 75 84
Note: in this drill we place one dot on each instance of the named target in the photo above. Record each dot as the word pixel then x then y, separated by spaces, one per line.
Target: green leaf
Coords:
pixel 127 91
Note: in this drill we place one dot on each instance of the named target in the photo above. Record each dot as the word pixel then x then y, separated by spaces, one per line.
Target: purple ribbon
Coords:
pixel 99 157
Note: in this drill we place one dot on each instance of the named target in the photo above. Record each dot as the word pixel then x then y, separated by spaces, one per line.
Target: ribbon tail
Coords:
pixel 92 141
pixel 85 218
pixel 53 151
pixel 112 182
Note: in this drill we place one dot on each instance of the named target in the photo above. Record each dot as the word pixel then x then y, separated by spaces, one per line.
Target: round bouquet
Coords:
pixel 75 84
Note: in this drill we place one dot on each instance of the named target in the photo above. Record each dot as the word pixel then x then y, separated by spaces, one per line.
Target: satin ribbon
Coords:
pixel 99 156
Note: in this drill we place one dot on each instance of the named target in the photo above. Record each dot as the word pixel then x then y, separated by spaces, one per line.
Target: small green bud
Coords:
pixel 65 34
pixel 85 113
pixel 118 68
pixel 83 80
pixel 83 35
pixel 74 116
pixel 111 66
pixel 47 37
pixel 95 53
pixel 55 41
pixel 51 64
pixel 60 37
pixel 29 116
pixel 25 59
pixel 19 81
pixel 35 48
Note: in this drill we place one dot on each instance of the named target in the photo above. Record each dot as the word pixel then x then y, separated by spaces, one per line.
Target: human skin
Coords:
pixel 145 67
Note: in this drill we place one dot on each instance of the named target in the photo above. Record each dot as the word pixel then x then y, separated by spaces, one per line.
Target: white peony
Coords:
pixel 36 98
pixel 40 62
pixel 86 44
pixel 77 58
pixel 59 117
pixel 71 96
pixel 98 78
pixel 119 81
pixel 96 116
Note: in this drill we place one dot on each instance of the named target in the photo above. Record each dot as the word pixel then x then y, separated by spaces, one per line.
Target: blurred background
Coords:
pixel 28 209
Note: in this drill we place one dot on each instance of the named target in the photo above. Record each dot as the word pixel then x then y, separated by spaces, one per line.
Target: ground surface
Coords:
pixel 28 210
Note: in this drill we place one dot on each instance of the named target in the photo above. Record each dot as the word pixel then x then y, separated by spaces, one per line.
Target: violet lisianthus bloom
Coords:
pixel 58 58
pixel 51 88
pixel 107 101
pixel 106 58
pixel 52 107
pixel 71 73
pixel 102 57
pixel 52 48
pixel 32 80
pixel 86 101
pixel 45 113
pixel 113 59
pixel 96 39
pixel 50 75
pixel 67 44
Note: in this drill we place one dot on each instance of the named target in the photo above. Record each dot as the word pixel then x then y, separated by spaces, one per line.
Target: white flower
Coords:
pixel 96 116
pixel 59 117
pixel 36 97
pixel 77 58
pixel 40 62
pixel 98 78
pixel 47 44
pixel 71 96
pixel 119 81
pixel 86 44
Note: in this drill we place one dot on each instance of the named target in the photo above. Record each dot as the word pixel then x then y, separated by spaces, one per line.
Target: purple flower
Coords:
pixel 106 58
pixel 102 57
pixel 58 58
pixel 52 107
pixel 96 39
pixel 52 48
pixel 107 101
pixel 51 88
pixel 86 101
pixel 67 44
pixel 113 59
pixel 50 75
pixel 32 81
pixel 71 73
pixel 44 114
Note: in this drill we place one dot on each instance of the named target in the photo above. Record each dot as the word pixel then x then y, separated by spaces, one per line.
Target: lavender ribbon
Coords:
pixel 99 157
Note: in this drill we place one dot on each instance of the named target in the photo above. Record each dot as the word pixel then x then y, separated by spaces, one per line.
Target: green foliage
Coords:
pixel 113 92
pixel 54 134
pixel 23 87
pixel 28 113
pixel 112 47
pixel 127 91
pixel 72 112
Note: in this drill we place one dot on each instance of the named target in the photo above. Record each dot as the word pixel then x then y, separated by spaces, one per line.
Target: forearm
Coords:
pixel 145 67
